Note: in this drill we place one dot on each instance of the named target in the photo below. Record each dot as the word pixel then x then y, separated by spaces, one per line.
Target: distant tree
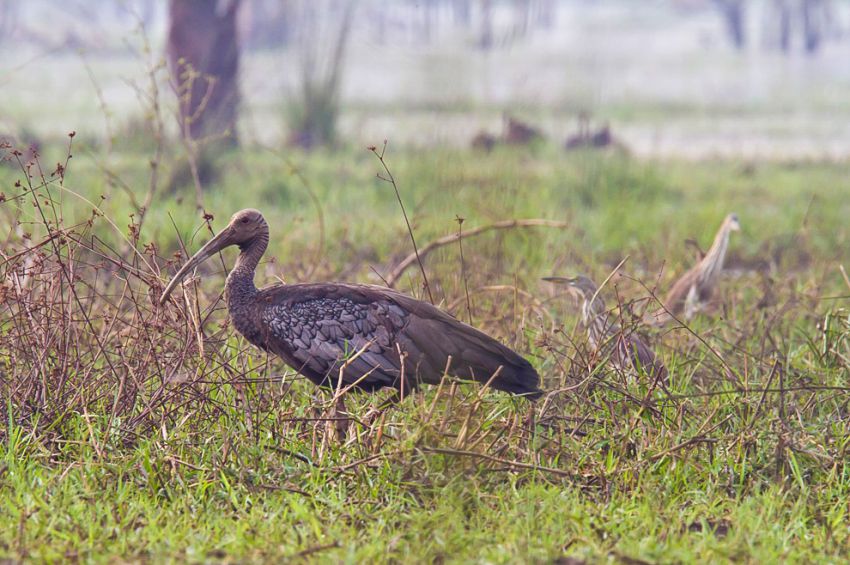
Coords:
pixel 527 16
pixel 815 18
pixel 203 55
pixel 782 15
pixel 323 29
pixel 485 39
pixel 8 18
pixel 144 10
pixel 522 17
pixel 733 13
pixel 546 13
pixel 807 21
pixel 428 16
pixel 462 12
pixel 270 23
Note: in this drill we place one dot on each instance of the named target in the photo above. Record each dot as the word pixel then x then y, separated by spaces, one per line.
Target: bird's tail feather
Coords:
pixel 479 357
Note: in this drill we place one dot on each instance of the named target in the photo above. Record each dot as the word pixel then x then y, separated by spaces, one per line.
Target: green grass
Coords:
pixel 230 463
pixel 136 504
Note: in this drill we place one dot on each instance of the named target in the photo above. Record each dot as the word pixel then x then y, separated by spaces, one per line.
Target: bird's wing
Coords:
pixel 643 359
pixel 674 301
pixel 692 302
pixel 321 333
pixel 316 325
pixel 432 336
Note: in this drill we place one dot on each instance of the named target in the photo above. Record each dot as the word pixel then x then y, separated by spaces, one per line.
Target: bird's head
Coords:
pixel 732 222
pixel 244 227
pixel 579 285
pixel 585 290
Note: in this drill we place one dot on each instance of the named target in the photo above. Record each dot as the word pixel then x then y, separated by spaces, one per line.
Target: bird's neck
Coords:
pixel 241 292
pixel 240 282
pixel 713 260
pixel 592 308
pixel 594 318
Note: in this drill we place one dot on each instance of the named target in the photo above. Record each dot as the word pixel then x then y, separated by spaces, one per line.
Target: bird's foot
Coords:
pixel 377 412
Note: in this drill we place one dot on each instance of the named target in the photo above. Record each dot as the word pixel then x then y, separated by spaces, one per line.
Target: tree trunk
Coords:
pixel 203 55
pixel 429 17
pixel 8 18
pixel 734 19
pixel 813 11
pixel 522 16
pixel 783 16
pixel 546 14
pixel 270 24
pixel 486 39
pixel 462 12
pixel 322 47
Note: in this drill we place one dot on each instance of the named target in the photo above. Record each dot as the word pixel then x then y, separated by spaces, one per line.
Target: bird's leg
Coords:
pixel 660 381
pixel 391 400
pixel 339 414
pixel 529 421
pixel 378 411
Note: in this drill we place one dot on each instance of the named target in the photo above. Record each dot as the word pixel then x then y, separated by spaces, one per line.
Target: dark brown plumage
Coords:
pixel 696 286
pixel 520 133
pixel 379 337
pixel 626 350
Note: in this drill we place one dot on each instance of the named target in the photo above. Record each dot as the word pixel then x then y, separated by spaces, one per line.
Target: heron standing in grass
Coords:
pixel 354 336
pixel 625 350
pixel 696 286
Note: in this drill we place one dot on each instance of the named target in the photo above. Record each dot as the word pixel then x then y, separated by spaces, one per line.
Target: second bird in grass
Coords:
pixel 378 337
pixel 696 286
pixel 625 350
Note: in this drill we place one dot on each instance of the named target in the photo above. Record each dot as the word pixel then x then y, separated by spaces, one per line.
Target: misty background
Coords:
pixel 763 79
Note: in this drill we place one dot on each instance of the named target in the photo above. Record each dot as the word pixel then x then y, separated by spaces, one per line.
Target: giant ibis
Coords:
pixel 378 337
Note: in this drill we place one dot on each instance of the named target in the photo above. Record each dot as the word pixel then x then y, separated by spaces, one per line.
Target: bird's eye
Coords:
pixel 244 220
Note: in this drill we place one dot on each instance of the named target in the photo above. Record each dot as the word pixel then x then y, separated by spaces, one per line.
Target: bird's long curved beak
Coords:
pixel 213 246
pixel 559 280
